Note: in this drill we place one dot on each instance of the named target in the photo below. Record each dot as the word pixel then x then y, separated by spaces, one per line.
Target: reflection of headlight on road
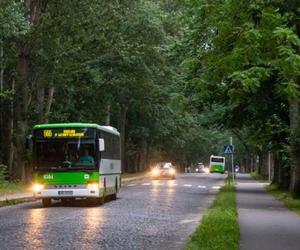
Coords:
pixel 155 171
pixel 93 186
pixel 172 171
pixel 37 187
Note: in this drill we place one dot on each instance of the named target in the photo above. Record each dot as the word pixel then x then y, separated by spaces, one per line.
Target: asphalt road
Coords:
pixel 149 214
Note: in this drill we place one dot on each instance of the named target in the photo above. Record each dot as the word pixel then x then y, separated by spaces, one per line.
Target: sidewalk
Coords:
pixel 28 195
pixel 265 223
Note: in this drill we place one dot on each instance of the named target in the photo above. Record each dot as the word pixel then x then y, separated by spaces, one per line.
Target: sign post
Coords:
pixel 228 150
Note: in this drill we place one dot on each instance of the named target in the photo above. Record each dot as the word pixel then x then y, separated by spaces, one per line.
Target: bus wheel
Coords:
pixel 101 200
pixel 114 195
pixel 46 202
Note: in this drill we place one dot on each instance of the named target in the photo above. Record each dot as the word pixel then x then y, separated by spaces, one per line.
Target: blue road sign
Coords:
pixel 228 149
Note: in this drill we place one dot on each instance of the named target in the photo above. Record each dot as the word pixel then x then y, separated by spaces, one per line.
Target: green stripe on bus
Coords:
pixel 217 168
pixel 59 178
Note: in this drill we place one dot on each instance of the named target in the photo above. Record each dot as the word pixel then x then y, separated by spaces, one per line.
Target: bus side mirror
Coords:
pixel 101 145
pixel 29 142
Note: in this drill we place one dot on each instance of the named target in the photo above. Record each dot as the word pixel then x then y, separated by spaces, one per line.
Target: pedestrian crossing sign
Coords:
pixel 228 149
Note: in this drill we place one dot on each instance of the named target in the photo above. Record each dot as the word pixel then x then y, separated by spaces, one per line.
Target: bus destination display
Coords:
pixel 64 133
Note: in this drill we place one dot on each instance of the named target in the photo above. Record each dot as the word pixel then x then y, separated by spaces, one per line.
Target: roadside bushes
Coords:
pixel 3 174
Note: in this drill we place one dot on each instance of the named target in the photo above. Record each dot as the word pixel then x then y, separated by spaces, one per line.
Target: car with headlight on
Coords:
pixel 163 170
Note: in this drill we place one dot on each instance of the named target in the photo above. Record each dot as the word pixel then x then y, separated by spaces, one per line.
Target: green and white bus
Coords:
pixel 217 164
pixel 75 161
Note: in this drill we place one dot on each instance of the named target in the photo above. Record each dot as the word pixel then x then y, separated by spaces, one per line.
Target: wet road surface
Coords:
pixel 148 214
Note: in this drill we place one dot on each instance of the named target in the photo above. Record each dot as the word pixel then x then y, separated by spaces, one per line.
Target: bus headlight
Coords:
pixel 37 187
pixel 206 170
pixel 93 186
pixel 155 172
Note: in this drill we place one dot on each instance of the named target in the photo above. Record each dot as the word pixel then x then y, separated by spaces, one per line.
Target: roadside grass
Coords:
pixel 257 176
pixel 219 229
pixel 285 197
pixel 12 202
pixel 12 187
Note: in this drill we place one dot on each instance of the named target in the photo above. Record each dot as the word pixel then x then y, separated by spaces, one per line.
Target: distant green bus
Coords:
pixel 76 161
pixel 217 164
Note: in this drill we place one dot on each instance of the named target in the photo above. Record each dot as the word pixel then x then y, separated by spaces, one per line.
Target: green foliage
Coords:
pixel 185 74
pixel 12 20
pixel 285 197
pixel 244 56
pixel 2 174
pixel 88 61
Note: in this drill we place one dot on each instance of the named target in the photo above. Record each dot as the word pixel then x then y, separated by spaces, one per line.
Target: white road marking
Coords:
pixel 187 221
pixel 187 185
pixel 216 187
pixel 131 185
pixel 203 187
pixel 172 184
pixel 146 184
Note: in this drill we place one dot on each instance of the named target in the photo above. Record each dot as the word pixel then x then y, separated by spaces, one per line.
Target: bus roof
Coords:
pixel 108 129
pixel 215 156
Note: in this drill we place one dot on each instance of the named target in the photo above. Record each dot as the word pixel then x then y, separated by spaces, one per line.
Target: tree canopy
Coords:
pixel 177 78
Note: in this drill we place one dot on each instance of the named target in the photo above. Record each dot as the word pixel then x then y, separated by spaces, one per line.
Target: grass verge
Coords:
pixel 15 201
pixel 219 229
pixel 12 187
pixel 285 197
pixel 258 177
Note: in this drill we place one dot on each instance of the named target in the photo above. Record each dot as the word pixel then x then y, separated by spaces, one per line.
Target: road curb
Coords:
pixel 11 202
pixel 137 178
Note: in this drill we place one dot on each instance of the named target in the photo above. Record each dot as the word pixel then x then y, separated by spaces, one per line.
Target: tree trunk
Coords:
pixel 107 117
pixel 49 104
pixel 40 97
pixel 1 65
pixel 22 110
pixel 142 153
pixel 122 126
pixel 34 9
pixel 11 132
pixel 277 169
pixel 294 136
pixel 1 100
pixel 134 168
pixel 247 164
pixel 295 152
pixel 260 167
pixel 252 167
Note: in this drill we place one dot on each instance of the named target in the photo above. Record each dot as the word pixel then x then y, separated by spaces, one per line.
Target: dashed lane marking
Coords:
pixel 131 185
pixel 173 185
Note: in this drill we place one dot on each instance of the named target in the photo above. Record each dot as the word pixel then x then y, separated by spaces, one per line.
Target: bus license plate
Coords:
pixel 65 192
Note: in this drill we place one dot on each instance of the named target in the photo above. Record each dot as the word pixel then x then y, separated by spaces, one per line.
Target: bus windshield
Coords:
pixel 65 154
pixel 214 159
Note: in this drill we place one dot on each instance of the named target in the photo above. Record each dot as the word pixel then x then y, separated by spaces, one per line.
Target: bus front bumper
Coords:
pixel 66 193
